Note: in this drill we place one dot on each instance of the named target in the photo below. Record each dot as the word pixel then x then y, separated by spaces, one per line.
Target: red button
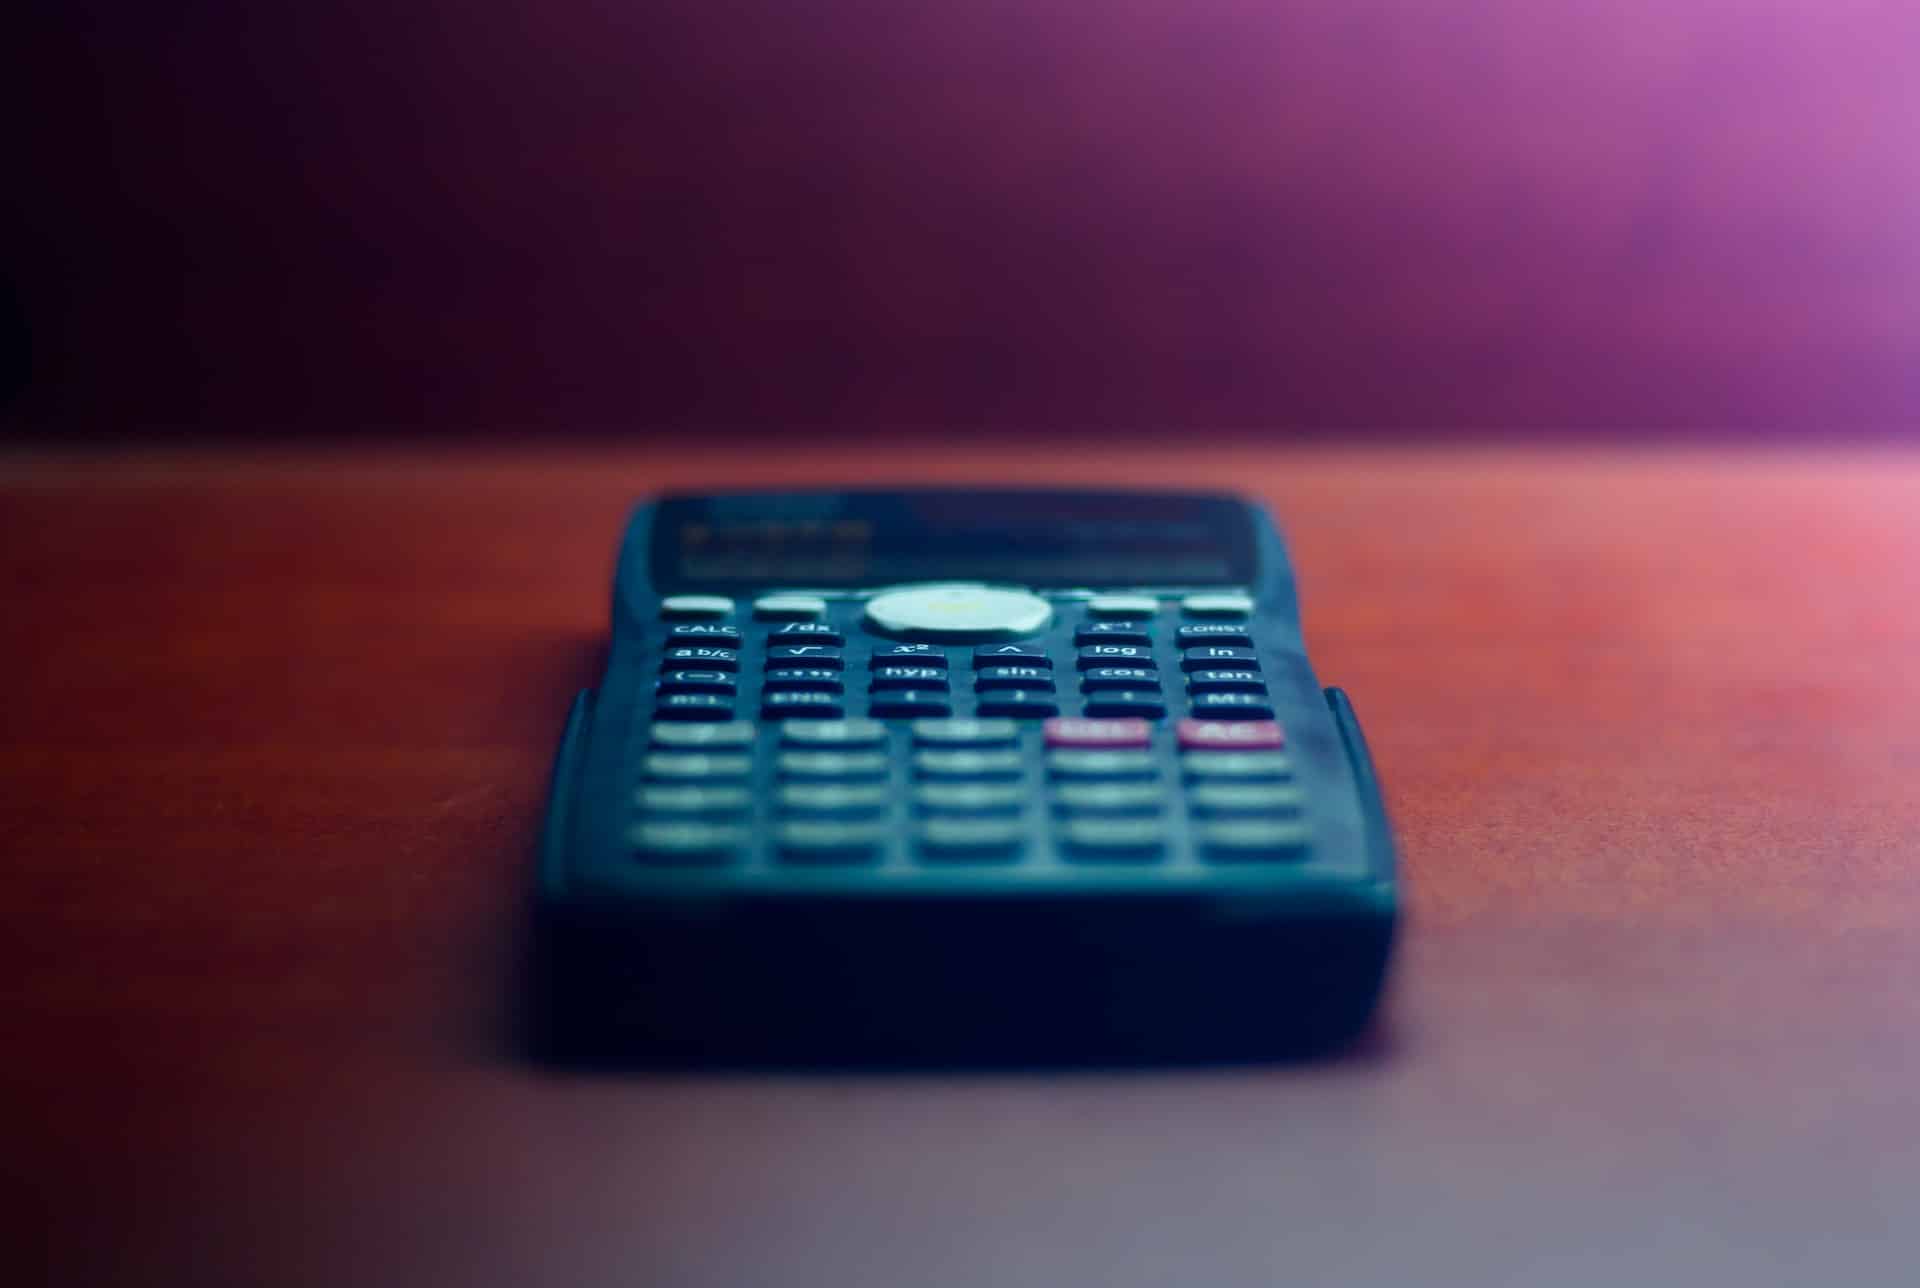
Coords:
pixel 1214 735
pixel 1068 731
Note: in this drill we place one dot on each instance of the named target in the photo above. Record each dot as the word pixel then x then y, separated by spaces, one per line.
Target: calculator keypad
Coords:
pixel 1133 730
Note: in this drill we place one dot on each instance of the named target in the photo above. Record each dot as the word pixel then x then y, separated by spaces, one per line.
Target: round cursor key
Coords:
pixel 957 613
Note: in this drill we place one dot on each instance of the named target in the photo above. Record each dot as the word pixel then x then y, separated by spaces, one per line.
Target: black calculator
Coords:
pixel 958 777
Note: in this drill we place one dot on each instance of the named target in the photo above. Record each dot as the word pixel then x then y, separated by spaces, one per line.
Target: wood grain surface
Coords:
pixel 274 743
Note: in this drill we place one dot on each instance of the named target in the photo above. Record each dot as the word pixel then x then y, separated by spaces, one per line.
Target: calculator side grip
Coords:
pixel 1381 856
pixel 562 790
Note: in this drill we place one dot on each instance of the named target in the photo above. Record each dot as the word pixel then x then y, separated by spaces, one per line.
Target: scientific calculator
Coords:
pixel 958 777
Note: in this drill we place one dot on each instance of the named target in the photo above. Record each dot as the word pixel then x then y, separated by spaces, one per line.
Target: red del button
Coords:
pixel 1069 731
pixel 1215 735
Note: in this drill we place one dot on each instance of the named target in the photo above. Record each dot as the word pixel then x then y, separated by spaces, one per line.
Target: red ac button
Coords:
pixel 1216 735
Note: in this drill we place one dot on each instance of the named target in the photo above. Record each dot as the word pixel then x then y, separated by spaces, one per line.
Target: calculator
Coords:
pixel 958 777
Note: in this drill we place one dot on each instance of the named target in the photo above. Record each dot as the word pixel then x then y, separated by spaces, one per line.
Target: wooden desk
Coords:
pixel 275 739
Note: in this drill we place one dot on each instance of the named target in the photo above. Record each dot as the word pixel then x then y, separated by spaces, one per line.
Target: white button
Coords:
pixel 734 733
pixel 958 613
pixel 695 606
pixel 790 608
pixel 1217 605
pixel 1123 606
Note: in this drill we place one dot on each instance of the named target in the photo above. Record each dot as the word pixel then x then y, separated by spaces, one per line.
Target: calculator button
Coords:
pixel 894 704
pixel 1113 838
pixel 832 764
pixel 685 606
pixel 1236 764
pixel 967 764
pixel 1226 682
pixel 693 706
pixel 908 655
pixel 833 798
pixel 964 733
pixel 806 704
pixel 1079 763
pixel 783 608
pixel 833 733
pixel 1211 633
pixel 1211 657
pixel 681 841
pixel 1227 735
pixel 1022 704
pixel 820 841
pixel 1232 706
pixel 1253 838
pixel 970 838
pixel 676 798
pixel 909 677
pixel 701 633
pixel 1115 655
pixel 1070 732
pixel 1119 677
pixel 1217 605
pixel 969 798
pixel 1126 702
pixel 806 633
pixel 788 679
pixel 1109 798
pixel 1245 798
pixel 737 733
pixel 1012 655
pixel 1112 633
pixel 696 682
pixel 805 655
pixel 703 657
pixel 1012 677
pixel 958 612
pixel 684 765
pixel 1123 606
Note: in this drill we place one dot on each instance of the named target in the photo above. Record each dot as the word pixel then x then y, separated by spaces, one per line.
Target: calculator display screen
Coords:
pixel 852 539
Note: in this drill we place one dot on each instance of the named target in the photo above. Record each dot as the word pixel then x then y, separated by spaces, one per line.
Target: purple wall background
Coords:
pixel 1604 214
